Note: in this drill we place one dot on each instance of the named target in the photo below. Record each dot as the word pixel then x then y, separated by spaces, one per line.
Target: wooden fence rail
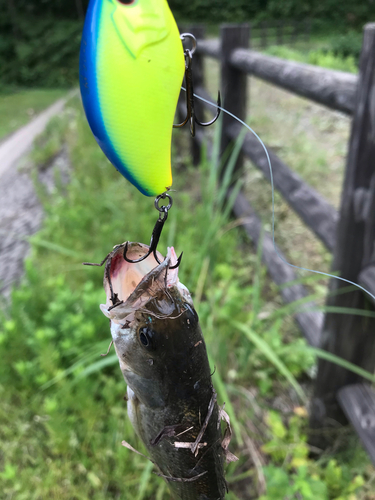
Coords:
pixel 310 322
pixel 334 89
pixel 349 234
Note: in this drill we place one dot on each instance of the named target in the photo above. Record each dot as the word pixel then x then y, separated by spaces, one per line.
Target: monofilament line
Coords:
pixel 273 200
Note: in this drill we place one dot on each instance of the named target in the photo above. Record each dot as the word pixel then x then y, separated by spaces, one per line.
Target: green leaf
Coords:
pixel 328 356
pixel 222 392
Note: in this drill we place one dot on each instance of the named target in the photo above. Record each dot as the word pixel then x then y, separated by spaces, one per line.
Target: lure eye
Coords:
pixel 127 2
pixel 146 337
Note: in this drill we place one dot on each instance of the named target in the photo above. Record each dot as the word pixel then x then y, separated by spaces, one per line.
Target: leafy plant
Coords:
pixel 62 417
pixel 319 57
pixel 44 53
pixel 297 476
pixel 332 60
pixel 346 45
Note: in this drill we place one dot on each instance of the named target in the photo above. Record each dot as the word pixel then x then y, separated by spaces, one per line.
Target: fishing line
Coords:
pixel 273 200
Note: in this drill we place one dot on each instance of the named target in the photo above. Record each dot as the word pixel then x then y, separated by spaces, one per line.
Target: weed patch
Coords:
pixel 63 417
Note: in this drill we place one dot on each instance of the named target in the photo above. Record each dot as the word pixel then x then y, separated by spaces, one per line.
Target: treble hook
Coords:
pixel 190 90
pixel 156 232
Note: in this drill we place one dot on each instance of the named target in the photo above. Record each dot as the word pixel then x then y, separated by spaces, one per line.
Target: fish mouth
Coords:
pixel 130 285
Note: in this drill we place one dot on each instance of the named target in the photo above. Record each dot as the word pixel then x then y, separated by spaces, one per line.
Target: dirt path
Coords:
pixel 21 213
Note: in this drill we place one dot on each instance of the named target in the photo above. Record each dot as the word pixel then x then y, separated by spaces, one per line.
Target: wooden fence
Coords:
pixel 349 234
pixel 266 33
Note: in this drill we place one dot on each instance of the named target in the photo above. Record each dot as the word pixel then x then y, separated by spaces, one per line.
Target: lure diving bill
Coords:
pixel 131 69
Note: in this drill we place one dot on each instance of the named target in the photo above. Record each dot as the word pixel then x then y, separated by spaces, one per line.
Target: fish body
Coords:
pixel 163 358
pixel 131 70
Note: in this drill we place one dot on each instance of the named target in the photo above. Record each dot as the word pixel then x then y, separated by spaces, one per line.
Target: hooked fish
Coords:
pixel 162 354
pixel 131 68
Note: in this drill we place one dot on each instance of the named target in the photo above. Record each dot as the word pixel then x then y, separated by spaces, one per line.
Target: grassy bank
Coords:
pixel 62 440
pixel 19 106
pixel 324 58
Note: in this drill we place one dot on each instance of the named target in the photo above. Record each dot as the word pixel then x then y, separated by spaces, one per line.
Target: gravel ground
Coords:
pixel 21 215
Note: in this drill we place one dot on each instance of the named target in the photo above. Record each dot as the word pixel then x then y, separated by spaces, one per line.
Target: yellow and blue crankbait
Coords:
pixel 131 68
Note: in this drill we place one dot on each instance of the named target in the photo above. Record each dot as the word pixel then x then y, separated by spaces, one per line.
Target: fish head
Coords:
pixel 154 326
pixel 140 23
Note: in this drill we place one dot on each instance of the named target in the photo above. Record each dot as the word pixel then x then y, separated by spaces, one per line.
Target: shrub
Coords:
pixel 348 45
pixel 45 53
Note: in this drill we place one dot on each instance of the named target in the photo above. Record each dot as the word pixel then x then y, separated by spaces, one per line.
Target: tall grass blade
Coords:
pixel 328 356
pixel 161 491
pixel 320 353
pixel 223 393
pixel 55 248
pixel 231 200
pixel 91 354
pixel 256 281
pixel 145 479
pixel 341 310
pixel 272 357
pixel 229 166
pixel 215 159
pixel 98 366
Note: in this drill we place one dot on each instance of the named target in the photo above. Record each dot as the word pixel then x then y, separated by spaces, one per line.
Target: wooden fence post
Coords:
pixel 296 30
pixel 351 337
pixel 307 30
pixel 264 34
pixel 233 82
pixel 280 32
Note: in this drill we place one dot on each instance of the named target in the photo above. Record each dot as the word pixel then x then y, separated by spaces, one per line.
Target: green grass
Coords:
pixel 18 107
pixel 62 440
pixel 318 57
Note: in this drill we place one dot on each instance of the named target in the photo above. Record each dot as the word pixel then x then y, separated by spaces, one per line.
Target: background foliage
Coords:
pixel 39 39
pixel 350 11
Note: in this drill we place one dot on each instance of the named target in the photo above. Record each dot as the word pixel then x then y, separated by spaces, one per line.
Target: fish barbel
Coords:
pixel 162 355
pixel 131 69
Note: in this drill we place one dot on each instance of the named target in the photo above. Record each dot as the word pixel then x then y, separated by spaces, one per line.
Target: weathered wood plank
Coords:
pixel 310 322
pixel 319 215
pixel 358 403
pixel 334 89
pixel 210 48
pixel 313 209
pixel 351 337
pixel 367 279
pixel 233 83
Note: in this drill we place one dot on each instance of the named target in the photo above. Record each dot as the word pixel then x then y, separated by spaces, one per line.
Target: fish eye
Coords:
pixel 146 337
pixel 191 313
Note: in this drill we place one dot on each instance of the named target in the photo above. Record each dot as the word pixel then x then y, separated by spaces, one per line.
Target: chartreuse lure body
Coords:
pixel 131 69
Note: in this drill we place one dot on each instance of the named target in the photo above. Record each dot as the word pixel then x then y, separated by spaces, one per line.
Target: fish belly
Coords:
pixel 179 464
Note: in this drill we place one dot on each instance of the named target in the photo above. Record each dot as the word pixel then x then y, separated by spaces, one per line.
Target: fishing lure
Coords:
pixel 132 64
